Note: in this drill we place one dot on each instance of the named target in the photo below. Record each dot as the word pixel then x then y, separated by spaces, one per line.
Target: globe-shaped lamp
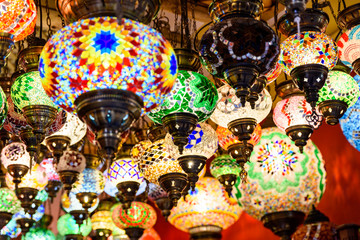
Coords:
pixel 273 74
pixel 136 68
pixel 66 226
pixel 226 170
pixel 3 107
pixel 40 234
pixel 70 203
pixel 339 92
pixel 160 168
pixel 9 205
pixel 282 183
pixel 308 57
pixel 193 99
pixel 135 220
pixel 138 150
pixel 207 208
pixel 348 48
pixel 291 115
pixel 125 174
pixel 202 144
pixel 102 223
pixel 349 125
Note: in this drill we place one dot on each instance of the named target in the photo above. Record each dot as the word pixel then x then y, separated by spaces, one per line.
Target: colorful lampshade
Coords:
pixel 227 138
pixel 37 216
pixel 18 17
pixel 48 165
pixel 67 225
pixel 201 142
pixel 224 165
pixel 11 229
pixel 3 107
pixel 309 48
pixel 73 128
pixel 273 74
pixel 8 201
pixel 71 161
pixel 36 178
pixel 27 90
pixel 349 46
pixel 156 161
pixel 89 180
pixel 209 204
pixel 229 107
pixel 340 86
pixel 42 196
pixel 349 125
pixel 15 153
pixel 128 56
pixel 124 169
pixel 139 215
pixel 39 234
pixel 117 232
pixel 102 220
pixel 192 93
pixel 71 203
pixel 280 178
pixel 138 150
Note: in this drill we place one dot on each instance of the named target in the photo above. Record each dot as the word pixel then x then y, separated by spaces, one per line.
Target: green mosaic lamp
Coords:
pixel 9 205
pixel 226 170
pixel 192 100
pixel 68 227
pixel 3 107
pixel 339 92
pixel 39 234
pixel 283 184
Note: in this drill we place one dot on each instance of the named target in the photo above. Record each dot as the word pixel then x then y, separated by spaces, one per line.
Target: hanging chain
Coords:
pixel 48 20
pixel 185 31
pixel 176 26
pixel 194 27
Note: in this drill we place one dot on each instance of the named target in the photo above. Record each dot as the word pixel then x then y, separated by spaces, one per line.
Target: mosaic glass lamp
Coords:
pixel 71 163
pixel 316 226
pixel 102 223
pixel 161 198
pixel 39 234
pixel 90 184
pixel 160 168
pixel 236 149
pixel 125 174
pixel 193 99
pixel 308 56
pixel 283 183
pixel 349 125
pixel 135 220
pixel 208 209
pixel 68 227
pixel 273 74
pixel 3 107
pixel 24 221
pixel 238 47
pixel 202 144
pixel 290 115
pixel 16 160
pixel 339 92
pixel 226 170
pixel 54 183
pixel 138 150
pixel 70 203
pixel 9 205
pixel 127 67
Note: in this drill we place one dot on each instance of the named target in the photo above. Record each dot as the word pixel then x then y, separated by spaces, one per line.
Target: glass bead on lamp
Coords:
pixel 9 205
pixel 273 74
pixel 71 163
pixel 349 125
pixel 16 160
pixel 193 99
pixel 282 183
pixel 134 68
pixel 226 170
pixel 202 144
pixel 39 234
pixel 160 168
pixel 124 173
pixel 54 183
pixel 135 220
pixel 339 92
pixel 138 150
pixel 67 227
pixel 209 208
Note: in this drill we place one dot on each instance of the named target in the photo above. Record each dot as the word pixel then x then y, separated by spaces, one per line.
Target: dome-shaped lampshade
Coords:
pixel 124 169
pixel 339 92
pixel 89 181
pixel 71 161
pixel 280 178
pixel 309 48
pixel 15 153
pixel 27 90
pixel 139 149
pixel 48 165
pixel 227 138
pixel 349 125
pixel 36 178
pixel 67 225
pixel 71 203
pixel 18 17
pixel 349 47
pixel 102 222
pixel 8 201
pixel 208 205
pixel 139 215
pixel 39 234
pixel 127 56
pixel 192 93
pixel 229 107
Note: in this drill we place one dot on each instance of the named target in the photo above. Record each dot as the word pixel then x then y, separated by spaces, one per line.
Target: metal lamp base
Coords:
pixel 52 188
pixel 356 66
pixel 283 223
pixel 228 181
pixel 300 134
pixel 102 234
pixel 33 207
pixel 68 178
pixel 86 199
pixel 25 224
pixel 26 196
pixel 255 90
pixel 242 128
pixel 28 137
pixel 192 166
pixel 127 192
pixel 134 233
pixel 173 184
pixel 74 237
pixel 5 218
pixel 57 144
pixel 207 232
pixel 332 110
pixel 79 216
pixel 165 205
pixel 17 171
pixel 349 17
pixel 187 59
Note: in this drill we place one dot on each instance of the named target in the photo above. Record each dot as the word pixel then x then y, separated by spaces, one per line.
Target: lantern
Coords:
pixel 66 225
